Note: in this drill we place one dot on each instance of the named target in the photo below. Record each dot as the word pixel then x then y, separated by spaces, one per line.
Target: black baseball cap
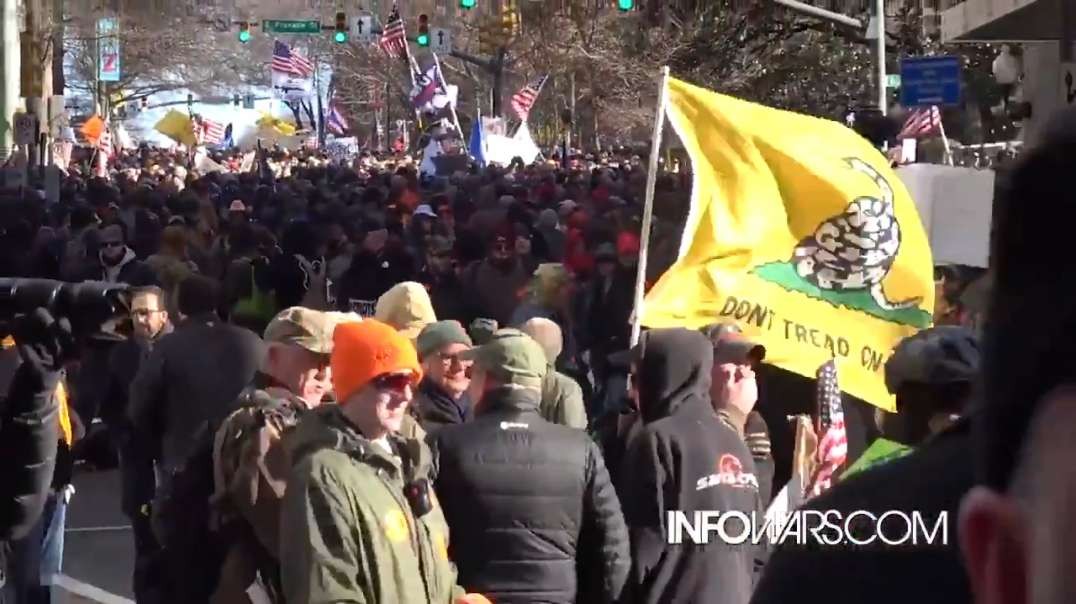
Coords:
pixel 732 346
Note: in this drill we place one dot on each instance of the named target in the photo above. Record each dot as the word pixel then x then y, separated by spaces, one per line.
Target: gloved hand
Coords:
pixel 757 436
pixel 44 343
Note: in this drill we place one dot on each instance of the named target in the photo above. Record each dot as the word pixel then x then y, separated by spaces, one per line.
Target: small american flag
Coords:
pixel 291 63
pixel 393 38
pixel 833 440
pixel 921 122
pixel 336 122
pixel 523 100
pixel 212 132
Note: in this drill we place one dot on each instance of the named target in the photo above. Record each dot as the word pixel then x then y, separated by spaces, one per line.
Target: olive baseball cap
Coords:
pixel 303 327
pixel 512 356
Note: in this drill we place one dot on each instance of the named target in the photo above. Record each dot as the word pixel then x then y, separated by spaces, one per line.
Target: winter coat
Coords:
pixel 371 275
pixel 451 302
pixel 533 514
pixel 352 535
pixel 562 400
pixel 130 271
pixel 136 452
pixel 929 481
pixel 436 409
pixel 496 292
pixel 685 459
pixel 193 376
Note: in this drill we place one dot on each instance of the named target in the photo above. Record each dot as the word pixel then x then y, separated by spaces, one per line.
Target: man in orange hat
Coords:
pixel 363 521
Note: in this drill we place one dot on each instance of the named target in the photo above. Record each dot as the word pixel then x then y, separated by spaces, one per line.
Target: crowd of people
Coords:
pixel 347 383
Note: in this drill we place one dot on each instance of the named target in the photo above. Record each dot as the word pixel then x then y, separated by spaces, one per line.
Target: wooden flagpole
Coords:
pixel 648 207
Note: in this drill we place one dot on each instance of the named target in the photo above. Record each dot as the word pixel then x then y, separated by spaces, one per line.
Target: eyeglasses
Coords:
pixel 144 312
pixel 452 358
pixel 397 382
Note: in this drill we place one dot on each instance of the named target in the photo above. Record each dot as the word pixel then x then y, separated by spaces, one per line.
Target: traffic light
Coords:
pixel 340 37
pixel 510 22
pixel 235 100
pixel 625 5
pixel 467 4
pixel 244 32
pixel 423 38
pixel 145 103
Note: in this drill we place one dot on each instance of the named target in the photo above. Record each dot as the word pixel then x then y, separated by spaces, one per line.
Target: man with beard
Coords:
pixel 150 323
pixel 440 278
pixel 497 282
pixel 118 261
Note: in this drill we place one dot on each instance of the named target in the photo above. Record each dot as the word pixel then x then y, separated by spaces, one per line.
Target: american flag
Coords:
pixel 921 122
pixel 291 63
pixel 833 439
pixel 523 100
pixel 212 132
pixel 336 123
pixel 393 38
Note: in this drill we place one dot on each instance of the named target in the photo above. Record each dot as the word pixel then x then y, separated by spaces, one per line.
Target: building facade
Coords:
pixel 1044 29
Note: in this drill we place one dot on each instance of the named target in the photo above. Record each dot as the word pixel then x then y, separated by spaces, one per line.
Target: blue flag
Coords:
pixel 475 146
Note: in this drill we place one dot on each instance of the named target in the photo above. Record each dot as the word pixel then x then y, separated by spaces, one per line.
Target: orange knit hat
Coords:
pixel 365 350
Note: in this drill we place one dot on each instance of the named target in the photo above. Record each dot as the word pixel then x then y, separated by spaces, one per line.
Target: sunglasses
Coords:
pixel 397 382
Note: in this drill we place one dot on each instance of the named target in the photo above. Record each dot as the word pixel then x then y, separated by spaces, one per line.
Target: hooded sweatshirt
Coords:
pixel 684 459
pixel 406 307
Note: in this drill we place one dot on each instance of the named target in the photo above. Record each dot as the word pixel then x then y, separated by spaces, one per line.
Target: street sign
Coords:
pixel 272 26
pixel 108 46
pixel 930 81
pixel 25 128
pixel 441 40
pixel 1068 84
pixel 362 29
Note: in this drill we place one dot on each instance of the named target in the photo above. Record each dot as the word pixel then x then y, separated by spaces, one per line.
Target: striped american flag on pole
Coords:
pixel 289 62
pixel 833 438
pixel 921 122
pixel 212 132
pixel 523 100
pixel 393 37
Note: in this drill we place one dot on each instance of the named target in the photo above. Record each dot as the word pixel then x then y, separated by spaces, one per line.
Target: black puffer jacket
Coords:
pixel 530 506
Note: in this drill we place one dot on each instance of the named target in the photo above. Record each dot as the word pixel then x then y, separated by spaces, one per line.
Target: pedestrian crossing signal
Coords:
pixel 625 5
pixel 244 32
pixel 423 38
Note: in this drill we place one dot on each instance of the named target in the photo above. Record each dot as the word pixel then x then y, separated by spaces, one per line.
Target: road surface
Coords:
pixel 98 545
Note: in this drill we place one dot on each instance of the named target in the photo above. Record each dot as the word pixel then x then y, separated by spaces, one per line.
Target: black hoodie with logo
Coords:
pixel 685 459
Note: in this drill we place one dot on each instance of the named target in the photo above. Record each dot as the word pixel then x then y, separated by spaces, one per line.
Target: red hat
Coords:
pixel 627 243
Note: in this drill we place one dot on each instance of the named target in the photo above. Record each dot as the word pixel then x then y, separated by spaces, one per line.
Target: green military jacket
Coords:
pixel 348 533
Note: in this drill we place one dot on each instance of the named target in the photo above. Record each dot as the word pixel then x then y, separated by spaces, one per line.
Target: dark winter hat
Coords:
pixel 439 334
pixel 937 356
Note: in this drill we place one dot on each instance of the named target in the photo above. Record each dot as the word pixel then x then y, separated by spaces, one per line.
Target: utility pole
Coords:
pixel 10 68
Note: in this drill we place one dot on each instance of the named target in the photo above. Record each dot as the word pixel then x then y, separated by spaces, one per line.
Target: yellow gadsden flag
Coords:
pixel 178 127
pixel 800 233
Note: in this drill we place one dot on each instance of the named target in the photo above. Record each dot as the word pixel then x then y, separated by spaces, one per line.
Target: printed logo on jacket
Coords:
pixel 729 473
